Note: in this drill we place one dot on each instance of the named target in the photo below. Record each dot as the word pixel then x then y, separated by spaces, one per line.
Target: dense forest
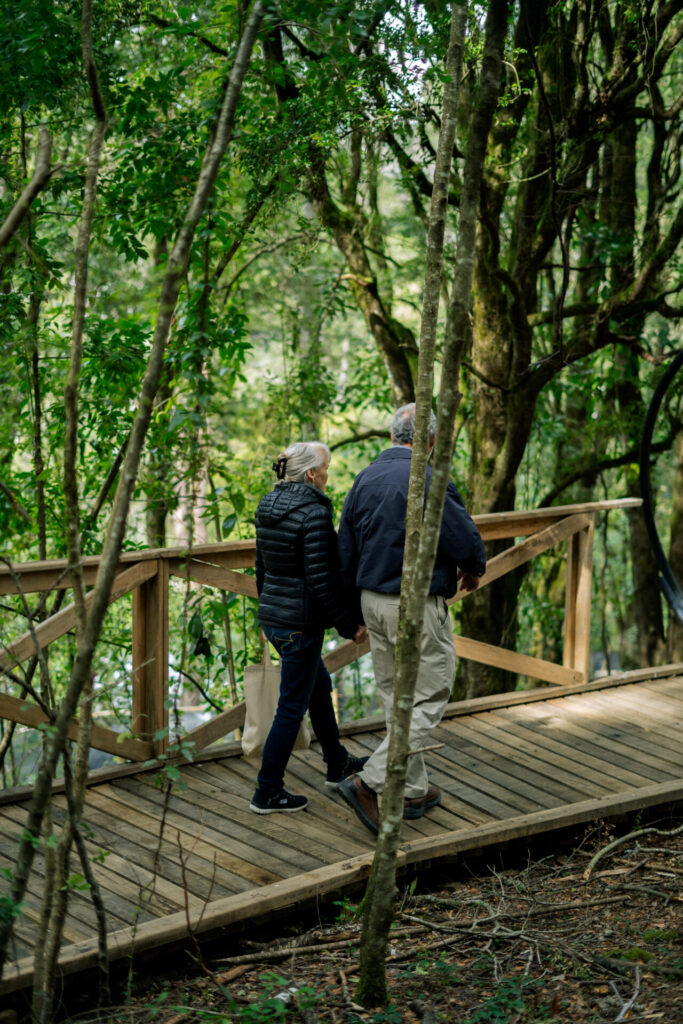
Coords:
pixel 299 297
pixel 213 233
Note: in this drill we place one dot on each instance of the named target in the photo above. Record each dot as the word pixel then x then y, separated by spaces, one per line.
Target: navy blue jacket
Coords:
pixel 297 566
pixel 372 530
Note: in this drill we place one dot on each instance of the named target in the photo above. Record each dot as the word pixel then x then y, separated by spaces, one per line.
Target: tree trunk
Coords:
pixel 423 524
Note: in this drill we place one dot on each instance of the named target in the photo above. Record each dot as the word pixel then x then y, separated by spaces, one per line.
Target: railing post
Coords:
pixel 577 611
pixel 150 659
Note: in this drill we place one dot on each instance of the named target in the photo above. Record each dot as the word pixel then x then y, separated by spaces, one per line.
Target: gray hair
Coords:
pixel 301 457
pixel 403 424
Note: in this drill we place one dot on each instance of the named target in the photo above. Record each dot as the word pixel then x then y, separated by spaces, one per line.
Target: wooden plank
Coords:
pixel 236 839
pixel 33 898
pixel 126 875
pixel 51 573
pixel 493 767
pixel 577 615
pixel 57 625
pixel 262 831
pixel 206 734
pixel 484 776
pixel 38 580
pixel 158 849
pixel 471 790
pixel 527 549
pixel 206 845
pixel 562 732
pixel 373 723
pixel 234 554
pixel 39 576
pixel 344 654
pixel 546 760
pixel 561 745
pixel 669 702
pixel 638 729
pixel 26 713
pixel 499 525
pixel 157 856
pixel 150 660
pixel 647 709
pixel 616 746
pixel 522 664
pixel 303 830
pixel 325 807
pixel 121 899
pixel 213 576
pixel 13 822
pixel 672 688
pixel 314 885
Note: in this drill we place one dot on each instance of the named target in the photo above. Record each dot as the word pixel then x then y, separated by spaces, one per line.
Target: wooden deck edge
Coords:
pixel 322 881
pixel 453 710
pixel 501 700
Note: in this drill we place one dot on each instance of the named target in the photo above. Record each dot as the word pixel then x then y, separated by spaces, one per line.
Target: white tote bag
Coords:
pixel 261 693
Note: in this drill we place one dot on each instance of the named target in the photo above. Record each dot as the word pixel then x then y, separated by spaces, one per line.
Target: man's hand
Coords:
pixel 361 635
pixel 468 582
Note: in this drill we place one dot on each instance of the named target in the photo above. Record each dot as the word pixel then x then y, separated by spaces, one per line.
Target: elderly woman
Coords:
pixel 300 595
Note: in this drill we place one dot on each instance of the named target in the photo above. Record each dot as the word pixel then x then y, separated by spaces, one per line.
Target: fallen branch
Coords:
pixel 616 843
pixel 348 1001
pixel 625 1007
pixel 283 951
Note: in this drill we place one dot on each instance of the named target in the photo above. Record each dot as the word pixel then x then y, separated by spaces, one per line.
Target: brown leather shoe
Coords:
pixel 362 799
pixel 415 806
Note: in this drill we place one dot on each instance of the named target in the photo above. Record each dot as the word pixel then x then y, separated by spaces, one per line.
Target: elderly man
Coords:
pixel 371 542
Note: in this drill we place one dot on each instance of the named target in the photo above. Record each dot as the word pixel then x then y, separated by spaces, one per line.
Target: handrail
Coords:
pixel 239 554
pixel 147 572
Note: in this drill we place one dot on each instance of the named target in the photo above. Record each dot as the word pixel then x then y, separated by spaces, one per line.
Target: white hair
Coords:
pixel 301 457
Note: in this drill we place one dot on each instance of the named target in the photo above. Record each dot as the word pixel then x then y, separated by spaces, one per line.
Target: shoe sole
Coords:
pixel 333 785
pixel 365 818
pixel 416 812
pixel 277 810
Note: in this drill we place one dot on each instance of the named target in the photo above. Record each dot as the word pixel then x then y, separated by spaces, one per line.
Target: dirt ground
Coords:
pixel 586 934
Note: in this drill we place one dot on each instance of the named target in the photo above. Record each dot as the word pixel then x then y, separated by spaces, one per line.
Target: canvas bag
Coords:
pixel 261 693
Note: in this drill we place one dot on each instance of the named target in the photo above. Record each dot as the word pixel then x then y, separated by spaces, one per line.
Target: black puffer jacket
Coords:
pixel 297 568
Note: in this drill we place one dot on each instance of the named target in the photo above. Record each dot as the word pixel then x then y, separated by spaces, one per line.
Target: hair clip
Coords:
pixel 280 467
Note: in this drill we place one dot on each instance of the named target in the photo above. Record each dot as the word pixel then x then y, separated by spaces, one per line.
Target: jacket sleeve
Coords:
pixel 321 569
pixel 460 539
pixel 260 571
pixel 346 544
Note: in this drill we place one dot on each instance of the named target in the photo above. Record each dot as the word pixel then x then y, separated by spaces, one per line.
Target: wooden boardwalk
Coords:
pixel 511 766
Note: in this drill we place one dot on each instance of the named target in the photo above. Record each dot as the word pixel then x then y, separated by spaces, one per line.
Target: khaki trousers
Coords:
pixel 432 689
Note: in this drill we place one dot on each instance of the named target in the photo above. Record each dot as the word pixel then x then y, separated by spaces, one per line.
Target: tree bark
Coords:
pixel 423 524
pixel 39 179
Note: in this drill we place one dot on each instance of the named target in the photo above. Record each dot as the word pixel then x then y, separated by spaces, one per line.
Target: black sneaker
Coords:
pixel 282 801
pixel 352 767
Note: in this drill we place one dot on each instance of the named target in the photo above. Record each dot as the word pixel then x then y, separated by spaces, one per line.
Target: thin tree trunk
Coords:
pixel 73 535
pixel 56 896
pixel 170 290
pixel 39 179
pixel 422 534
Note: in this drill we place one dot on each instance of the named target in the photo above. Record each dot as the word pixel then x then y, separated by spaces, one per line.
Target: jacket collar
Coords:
pixel 397 451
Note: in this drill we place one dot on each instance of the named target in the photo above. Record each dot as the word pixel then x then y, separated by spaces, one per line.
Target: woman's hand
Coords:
pixel 361 635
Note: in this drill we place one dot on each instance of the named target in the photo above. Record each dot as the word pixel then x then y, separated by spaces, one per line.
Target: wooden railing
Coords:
pixel 147 573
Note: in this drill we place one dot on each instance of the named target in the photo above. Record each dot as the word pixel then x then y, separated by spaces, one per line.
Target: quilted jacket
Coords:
pixel 297 568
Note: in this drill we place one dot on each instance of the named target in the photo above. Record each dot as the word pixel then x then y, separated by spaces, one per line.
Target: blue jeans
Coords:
pixel 305 685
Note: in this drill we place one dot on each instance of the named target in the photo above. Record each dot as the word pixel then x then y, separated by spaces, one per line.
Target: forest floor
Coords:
pixel 586 934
